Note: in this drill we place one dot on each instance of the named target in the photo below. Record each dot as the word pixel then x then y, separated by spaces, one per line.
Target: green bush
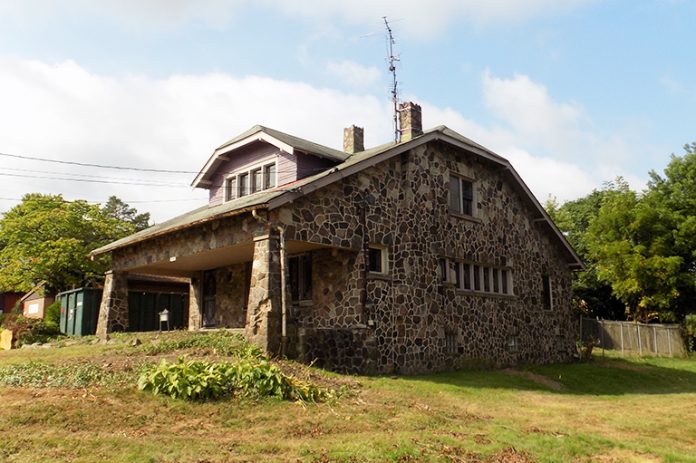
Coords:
pixel 202 380
pixel 52 315
pixel 690 328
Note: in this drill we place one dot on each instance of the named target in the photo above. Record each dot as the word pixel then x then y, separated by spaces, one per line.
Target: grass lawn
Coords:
pixel 78 403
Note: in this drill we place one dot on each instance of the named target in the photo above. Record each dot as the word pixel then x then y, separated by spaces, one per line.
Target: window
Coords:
pixel 461 195
pixel 377 259
pixel 450 343
pixel 256 180
pixel 548 292
pixel 512 344
pixel 300 277
pixel 243 181
pixel 475 277
pixel 230 188
pixel 269 176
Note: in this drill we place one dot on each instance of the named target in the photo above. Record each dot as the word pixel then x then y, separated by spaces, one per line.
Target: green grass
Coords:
pixel 608 410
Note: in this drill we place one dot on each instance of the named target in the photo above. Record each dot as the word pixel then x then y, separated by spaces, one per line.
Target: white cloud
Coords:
pixel 353 73
pixel 63 111
pixel 422 19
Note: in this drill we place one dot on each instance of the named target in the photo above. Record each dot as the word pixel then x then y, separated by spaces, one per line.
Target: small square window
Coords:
pixel 377 259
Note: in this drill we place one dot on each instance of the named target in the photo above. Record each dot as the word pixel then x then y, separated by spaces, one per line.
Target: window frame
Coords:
pixel 383 259
pixel 461 210
pixel 476 278
pixel 547 292
pixel 258 177
pixel 304 288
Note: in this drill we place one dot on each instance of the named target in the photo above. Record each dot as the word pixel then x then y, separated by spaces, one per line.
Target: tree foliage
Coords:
pixel 642 246
pixel 45 238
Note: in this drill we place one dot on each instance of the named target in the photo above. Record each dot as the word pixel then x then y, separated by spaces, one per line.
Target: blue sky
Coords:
pixel 573 95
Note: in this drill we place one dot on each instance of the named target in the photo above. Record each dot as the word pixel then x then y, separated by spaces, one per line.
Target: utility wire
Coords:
pixel 96 181
pixel 90 176
pixel 101 166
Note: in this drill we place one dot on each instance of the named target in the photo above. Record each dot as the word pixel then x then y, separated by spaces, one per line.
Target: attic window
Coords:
pixel 251 180
pixel 461 195
pixel 243 180
pixel 230 188
pixel 269 176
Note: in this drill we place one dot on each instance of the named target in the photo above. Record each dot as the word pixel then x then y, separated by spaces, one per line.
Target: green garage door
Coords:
pixel 144 309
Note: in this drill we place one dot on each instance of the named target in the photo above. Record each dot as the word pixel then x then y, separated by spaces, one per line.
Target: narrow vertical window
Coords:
pixel 377 259
pixel 256 181
pixel 443 270
pixel 466 276
pixel 243 181
pixel 457 275
pixel 487 279
pixel 467 197
pixel 548 292
pixel 504 277
pixel 496 280
pixel 454 194
pixel 477 278
pixel 300 268
pixel 230 188
pixel 269 176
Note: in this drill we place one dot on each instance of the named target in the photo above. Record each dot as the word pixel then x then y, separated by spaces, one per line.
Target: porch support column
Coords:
pixel 195 303
pixel 263 308
pixel 113 311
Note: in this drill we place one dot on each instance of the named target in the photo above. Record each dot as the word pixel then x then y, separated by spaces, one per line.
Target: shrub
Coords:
pixel 52 315
pixel 690 328
pixel 29 330
pixel 202 380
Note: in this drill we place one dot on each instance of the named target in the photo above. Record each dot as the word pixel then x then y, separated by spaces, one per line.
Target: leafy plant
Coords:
pixel 202 380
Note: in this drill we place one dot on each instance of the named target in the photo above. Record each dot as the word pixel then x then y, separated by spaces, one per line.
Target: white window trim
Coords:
pixel 248 169
pixel 494 273
pixel 474 195
pixel 551 301
pixel 384 259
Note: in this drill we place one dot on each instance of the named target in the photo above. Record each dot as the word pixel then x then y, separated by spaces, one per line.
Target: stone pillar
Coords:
pixel 263 308
pixel 113 311
pixel 195 303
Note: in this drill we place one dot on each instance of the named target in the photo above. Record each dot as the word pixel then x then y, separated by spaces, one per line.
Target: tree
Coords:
pixel 590 294
pixel 45 238
pixel 117 209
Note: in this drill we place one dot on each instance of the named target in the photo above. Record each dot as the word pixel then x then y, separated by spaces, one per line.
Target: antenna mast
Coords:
pixel 391 59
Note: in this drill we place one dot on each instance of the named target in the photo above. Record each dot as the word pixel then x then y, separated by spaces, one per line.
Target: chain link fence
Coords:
pixel 632 338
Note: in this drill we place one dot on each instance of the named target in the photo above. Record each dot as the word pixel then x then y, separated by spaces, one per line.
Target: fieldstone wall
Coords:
pixel 263 308
pixel 195 304
pixel 402 204
pixel 113 310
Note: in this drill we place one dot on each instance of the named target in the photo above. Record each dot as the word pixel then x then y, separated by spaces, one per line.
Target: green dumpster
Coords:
pixel 79 310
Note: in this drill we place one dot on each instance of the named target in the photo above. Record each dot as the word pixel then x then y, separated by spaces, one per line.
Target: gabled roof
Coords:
pixel 277 197
pixel 283 141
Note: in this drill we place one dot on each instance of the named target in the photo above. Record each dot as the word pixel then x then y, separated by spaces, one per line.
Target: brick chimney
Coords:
pixel 410 121
pixel 353 140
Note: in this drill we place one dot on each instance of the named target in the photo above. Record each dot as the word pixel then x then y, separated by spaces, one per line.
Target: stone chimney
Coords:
pixel 410 121
pixel 353 140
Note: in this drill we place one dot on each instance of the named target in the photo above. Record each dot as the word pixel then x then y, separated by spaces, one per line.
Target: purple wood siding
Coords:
pixel 289 167
pixel 243 157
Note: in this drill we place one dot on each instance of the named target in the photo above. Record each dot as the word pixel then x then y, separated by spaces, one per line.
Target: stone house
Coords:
pixel 425 254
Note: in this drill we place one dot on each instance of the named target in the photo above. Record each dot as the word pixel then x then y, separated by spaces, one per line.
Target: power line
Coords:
pixel 101 166
pixel 127 202
pixel 89 176
pixel 97 181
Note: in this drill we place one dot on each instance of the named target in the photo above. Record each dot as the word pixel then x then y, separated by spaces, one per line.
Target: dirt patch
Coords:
pixel 625 456
pixel 539 379
pixel 510 455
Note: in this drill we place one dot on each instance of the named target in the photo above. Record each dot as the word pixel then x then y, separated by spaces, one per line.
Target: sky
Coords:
pixel 573 93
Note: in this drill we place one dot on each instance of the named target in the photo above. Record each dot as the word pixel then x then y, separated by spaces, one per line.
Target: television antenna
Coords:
pixel 391 59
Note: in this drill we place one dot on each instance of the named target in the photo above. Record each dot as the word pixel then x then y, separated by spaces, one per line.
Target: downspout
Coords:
pixel 283 285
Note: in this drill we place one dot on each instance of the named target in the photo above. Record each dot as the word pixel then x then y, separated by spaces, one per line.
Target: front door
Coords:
pixel 209 298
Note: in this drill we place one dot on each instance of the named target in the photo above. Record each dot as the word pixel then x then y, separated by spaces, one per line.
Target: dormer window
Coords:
pixel 230 188
pixel 269 176
pixel 243 180
pixel 251 180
